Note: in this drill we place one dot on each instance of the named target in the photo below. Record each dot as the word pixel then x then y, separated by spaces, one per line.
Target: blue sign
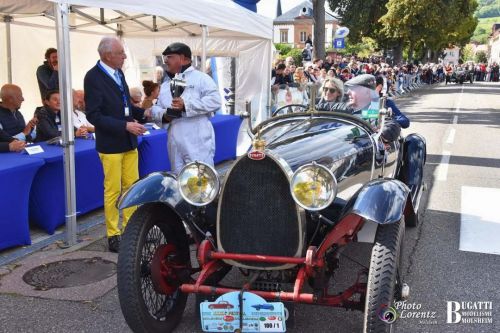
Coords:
pixel 223 315
pixel 339 43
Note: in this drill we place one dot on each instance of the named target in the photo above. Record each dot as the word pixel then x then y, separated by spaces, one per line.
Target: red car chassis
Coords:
pixel 165 271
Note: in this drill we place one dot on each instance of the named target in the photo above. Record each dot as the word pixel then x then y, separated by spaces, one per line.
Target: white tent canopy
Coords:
pixel 146 27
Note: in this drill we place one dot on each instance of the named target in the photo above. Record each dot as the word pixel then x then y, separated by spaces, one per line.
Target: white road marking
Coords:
pixel 455 120
pixel 459 102
pixel 480 220
pixel 441 172
pixel 451 136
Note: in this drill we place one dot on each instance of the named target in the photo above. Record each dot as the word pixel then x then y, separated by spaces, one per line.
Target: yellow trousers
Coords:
pixel 120 172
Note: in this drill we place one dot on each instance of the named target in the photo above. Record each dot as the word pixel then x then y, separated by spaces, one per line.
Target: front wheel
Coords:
pixel 154 251
pixel 384 278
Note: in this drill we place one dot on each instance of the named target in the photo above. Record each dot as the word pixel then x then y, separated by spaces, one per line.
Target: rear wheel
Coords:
pixel 153 252
pixel 384 278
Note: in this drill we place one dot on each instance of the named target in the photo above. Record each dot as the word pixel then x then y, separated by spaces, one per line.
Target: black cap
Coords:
pixel 364 80
pixel 178 48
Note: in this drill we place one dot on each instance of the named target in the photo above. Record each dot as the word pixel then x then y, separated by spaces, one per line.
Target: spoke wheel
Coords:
pixel 154 248
pixel 384 278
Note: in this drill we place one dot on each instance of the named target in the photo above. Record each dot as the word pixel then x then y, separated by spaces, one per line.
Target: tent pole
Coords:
pixel 204 31
pixel 7 19
pixel 66 93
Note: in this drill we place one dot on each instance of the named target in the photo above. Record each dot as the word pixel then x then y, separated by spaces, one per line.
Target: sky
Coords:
pixel 268 7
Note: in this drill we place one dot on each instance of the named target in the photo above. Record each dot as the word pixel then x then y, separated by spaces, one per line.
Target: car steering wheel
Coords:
pixel 290 108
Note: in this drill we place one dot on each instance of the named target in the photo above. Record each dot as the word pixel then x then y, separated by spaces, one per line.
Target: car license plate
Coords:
pixel 223 315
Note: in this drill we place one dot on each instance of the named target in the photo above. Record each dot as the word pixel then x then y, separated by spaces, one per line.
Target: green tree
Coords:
pixel 467 53
pixel 296 54
pixel 481 57
pixel 283 48
pixel 422 26
pixel 361 17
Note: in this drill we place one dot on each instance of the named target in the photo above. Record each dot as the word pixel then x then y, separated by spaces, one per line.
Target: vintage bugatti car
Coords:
pixel 281 215
pixel 461 75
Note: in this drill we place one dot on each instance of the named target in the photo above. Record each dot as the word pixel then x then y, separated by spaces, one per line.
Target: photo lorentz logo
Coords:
pixel 469 312
pixel 388 314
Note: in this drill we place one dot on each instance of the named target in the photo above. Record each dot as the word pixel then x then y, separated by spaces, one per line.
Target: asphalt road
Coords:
pixel 462 121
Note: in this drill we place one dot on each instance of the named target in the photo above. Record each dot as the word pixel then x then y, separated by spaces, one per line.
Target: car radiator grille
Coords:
pixel 257 214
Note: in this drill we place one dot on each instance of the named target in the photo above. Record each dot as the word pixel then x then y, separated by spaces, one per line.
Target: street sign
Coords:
pixel 341 32
pixel 339 43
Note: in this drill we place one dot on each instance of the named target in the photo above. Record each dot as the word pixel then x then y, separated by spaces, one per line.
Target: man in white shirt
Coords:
pixel 190 136
pixel 79 117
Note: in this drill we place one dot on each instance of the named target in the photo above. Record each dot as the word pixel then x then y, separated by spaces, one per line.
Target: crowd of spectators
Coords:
pixel 287 74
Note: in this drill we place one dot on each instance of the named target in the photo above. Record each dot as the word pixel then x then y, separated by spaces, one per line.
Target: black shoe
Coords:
pixel 114 243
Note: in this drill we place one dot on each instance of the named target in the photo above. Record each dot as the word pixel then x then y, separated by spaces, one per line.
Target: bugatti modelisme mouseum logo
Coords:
pixel 480 312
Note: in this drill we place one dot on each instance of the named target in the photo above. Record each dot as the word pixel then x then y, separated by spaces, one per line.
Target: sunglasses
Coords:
pixel 331 90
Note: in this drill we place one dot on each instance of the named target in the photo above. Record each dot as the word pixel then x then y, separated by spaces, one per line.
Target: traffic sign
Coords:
pixel 339 43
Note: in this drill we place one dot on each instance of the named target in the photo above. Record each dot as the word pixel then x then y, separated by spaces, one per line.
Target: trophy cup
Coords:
pixel 177 86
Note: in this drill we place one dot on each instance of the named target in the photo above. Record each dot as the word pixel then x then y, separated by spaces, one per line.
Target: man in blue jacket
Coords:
pixel 397 115
pixel 116 128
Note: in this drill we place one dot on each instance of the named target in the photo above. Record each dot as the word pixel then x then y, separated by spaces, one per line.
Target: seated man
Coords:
pixel 11 120
pixel 136 96
pixel 49 119
pixel 363 97
pixel 79 117
pixel 8 143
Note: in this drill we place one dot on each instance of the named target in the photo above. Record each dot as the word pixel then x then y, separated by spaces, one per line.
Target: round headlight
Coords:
pixel 198 183
pixel 313 186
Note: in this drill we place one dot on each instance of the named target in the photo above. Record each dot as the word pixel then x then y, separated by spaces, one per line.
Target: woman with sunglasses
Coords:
pixel 332 93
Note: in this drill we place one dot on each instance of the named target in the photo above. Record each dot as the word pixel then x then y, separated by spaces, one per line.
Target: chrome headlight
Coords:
pixel 313 186
pixel 198 183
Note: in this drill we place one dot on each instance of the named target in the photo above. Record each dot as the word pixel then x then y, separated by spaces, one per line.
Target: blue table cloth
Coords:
pixel 16 175
pixel 47 197
pixel 226 129
pixel 153 154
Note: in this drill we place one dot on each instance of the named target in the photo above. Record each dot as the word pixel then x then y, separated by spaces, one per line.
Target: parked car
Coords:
pixel 281 215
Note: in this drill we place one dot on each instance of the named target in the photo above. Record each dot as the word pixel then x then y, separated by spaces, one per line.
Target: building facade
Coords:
pixel 494 44
pixel 451 55
pixel 295 26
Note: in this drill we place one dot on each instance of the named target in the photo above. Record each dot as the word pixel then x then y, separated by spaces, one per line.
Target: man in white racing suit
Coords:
pixel 190 135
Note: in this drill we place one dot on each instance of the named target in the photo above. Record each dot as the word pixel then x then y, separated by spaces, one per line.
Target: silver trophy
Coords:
pixel 177 86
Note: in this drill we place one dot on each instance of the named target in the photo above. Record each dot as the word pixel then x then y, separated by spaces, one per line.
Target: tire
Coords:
pixel 144 309
pixel 384 277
